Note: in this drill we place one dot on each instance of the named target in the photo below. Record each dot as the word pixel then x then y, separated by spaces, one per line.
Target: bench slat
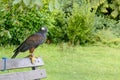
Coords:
pixel 20 63
pixel 29 75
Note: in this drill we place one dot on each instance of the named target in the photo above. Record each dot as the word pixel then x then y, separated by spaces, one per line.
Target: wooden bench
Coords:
pixel 34 74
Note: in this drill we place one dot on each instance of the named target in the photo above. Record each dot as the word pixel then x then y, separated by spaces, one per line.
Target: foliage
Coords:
pixel 20 21
pixel 58 32
pixel 80 24
pixel 74 26
pixel 73 21
pixel 29 3
pixel 116 28
pixel 106 31
pixel 110 8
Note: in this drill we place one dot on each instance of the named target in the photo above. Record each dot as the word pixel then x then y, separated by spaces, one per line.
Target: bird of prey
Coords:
pixel 31 43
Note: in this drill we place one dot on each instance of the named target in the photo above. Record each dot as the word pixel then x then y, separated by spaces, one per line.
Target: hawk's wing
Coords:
pixel 31 42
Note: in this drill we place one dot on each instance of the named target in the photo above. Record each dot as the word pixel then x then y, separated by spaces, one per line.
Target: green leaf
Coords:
pixel 26 2
pixel 57 5
pixel 16 1
pixel 119 8
pixel 9 35
pixel 104 10
pixel 38 2
pixel 51 8
pixel 105 5
pixel 112 6
pixel 114 14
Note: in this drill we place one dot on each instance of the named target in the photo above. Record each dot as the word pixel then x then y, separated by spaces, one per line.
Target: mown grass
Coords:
pixel 63 62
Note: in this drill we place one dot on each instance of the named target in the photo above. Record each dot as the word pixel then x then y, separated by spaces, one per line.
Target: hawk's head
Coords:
pixel 43 29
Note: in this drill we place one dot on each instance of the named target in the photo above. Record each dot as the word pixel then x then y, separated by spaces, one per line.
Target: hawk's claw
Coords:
pixel 32 58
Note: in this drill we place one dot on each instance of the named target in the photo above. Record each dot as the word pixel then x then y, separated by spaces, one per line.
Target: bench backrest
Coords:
pixel 34 74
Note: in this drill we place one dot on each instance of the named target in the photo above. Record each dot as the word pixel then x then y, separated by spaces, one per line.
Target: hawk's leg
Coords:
pixel 31 56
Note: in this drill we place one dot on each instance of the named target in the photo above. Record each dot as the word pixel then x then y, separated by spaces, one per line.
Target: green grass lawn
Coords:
pixel 63 62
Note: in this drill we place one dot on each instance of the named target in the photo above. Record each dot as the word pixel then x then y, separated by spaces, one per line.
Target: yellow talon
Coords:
pixel 32 58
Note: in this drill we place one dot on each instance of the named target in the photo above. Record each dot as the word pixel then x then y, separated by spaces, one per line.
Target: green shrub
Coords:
pixel 106 30
pixel 72 21
pixel 80 24
pixel 19 21
pixel 58 32
pixel 116 29
pixel 74 28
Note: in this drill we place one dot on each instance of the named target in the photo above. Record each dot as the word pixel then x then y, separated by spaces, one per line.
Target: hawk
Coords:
pixel 31 43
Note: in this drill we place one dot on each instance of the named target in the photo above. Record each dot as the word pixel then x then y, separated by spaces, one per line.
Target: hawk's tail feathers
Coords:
pixel 15 54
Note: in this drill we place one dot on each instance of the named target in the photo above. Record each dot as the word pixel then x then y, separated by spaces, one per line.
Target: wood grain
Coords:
pixel 29 75
pixel 20 63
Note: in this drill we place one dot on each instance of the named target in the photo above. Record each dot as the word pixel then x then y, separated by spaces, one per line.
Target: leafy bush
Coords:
pixel 67 20
pixel 106 30
pixel 58 31
pixel 18 22
pixel 74 28
pixel 80 24
pixel 116 29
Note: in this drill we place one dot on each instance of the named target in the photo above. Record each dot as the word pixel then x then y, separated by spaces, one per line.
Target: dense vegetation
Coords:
pixel 73 21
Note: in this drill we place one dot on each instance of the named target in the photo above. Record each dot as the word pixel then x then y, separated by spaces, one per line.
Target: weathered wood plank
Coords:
pixel 35 68
pixel 29 75
pixel 20 63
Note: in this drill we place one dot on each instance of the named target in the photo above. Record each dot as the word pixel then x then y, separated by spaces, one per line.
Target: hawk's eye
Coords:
pixel 42 28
